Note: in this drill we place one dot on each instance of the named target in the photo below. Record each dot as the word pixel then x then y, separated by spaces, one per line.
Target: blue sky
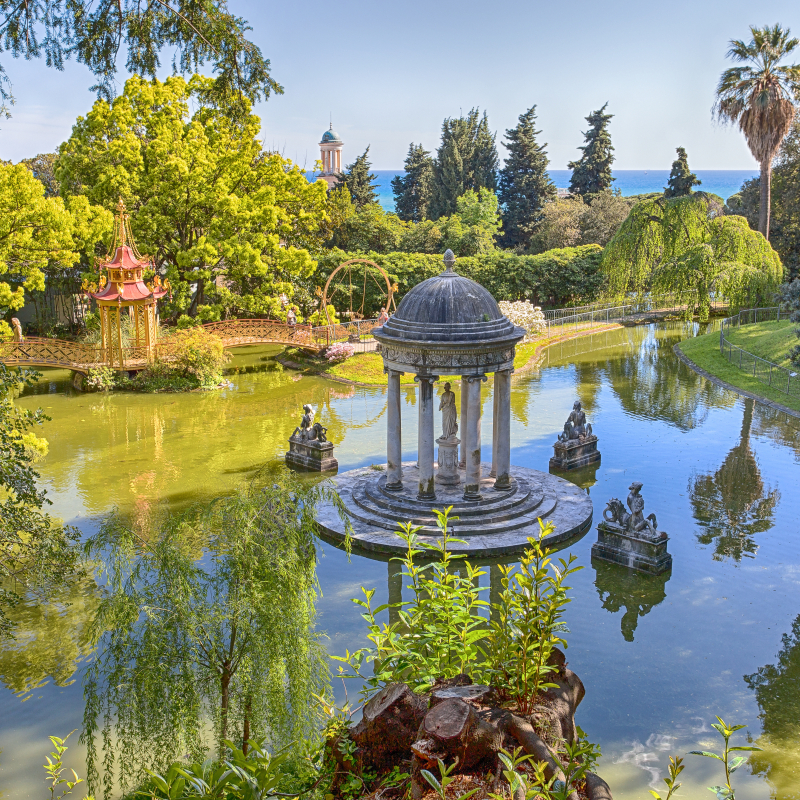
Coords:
pixel 390 72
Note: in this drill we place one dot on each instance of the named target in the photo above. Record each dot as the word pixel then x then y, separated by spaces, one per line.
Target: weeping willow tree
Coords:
pixel 206 633
pixel 687 246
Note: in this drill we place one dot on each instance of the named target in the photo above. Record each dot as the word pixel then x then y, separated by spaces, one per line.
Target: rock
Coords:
pixel 475 694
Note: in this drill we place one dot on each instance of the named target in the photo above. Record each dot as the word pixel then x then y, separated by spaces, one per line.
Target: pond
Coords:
pixel 659 656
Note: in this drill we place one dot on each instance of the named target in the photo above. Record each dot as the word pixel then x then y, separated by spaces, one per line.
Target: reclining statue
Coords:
pixel 576 426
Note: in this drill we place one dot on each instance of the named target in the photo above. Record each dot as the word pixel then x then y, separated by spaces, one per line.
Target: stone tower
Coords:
pixel 330 149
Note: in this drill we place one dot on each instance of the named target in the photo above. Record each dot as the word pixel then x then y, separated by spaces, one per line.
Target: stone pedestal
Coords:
pixel 640 553
pixel 574 454
pixel 447 474
pixel 311 455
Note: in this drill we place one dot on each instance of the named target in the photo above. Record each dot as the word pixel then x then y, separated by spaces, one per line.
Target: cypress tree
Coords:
pixel 359 181
pixel 466 159
pixel 525 185
pixel 681 180
pixel 591 173
pixel 412 191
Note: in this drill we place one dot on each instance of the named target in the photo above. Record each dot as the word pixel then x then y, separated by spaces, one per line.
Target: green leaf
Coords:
pixel 704 753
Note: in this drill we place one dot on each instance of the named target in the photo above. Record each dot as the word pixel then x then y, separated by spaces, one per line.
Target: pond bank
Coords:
pixel 701 355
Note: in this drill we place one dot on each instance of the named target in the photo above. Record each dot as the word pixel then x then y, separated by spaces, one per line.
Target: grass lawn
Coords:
pixel 704 351
pixel 770 340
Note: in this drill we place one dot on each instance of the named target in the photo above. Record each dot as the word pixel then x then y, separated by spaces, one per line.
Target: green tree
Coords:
pixel 784 218
pixel 365 229
pixel 43 168
pixel 591 173
pixel 98 33
pixel 39 234
pixel 214 210
pixel 209 615
pixel 687 246
pixel 359 181
pixel 760 97
pixel 412 191
pixel 37 553
pixel 466 159
pixel 681 180
pixel 525 186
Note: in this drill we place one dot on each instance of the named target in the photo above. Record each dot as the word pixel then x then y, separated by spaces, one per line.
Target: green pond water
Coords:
pixel 658 656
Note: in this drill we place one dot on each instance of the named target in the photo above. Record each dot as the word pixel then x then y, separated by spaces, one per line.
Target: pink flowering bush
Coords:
pixel 339 351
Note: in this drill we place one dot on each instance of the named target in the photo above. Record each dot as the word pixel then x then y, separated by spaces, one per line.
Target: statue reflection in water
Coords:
pixel 733 504
pixel 620 587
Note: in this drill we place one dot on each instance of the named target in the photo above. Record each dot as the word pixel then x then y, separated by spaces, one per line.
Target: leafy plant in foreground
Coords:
pixel 54 769
pixel 440 784
pixel 675 769
pixel 726 792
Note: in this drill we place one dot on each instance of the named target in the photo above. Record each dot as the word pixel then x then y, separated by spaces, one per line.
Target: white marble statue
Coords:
pixel 447 405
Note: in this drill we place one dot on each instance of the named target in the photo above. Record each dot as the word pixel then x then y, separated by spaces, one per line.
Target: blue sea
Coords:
pixel 723 182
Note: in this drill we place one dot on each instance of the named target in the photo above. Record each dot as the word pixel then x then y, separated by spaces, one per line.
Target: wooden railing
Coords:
pixel 35 351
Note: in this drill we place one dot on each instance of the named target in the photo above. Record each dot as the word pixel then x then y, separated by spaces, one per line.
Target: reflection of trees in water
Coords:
pixel 51 638
pixel 620 587
pixel 733 505
pixel 777 426
pixel 777 690
pixel 651 382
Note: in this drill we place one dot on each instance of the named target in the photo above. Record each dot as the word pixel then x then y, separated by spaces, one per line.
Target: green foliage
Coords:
pixel 36 552
pixel 466 159
pixel 527 623
pixel 40 234
pixel 208 618
pixel 441 783
pixel 54 769
pixel 359 182
pixel 525 186
pixel 96 35
pixel 43 168
pixel 554 278
pixel 100 379
pixel 212 208
pixel 365 229
pixel 790 298
pixel 681 179
pixel 442 631
pixel 784 223
pixel 580 220
pixel 686 246
pixel 591 173
pixel 413 191
pixel 730 764
pixel 197 354
pixel 675 769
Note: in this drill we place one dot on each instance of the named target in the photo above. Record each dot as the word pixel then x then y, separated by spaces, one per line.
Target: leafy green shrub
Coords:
pixel 100 379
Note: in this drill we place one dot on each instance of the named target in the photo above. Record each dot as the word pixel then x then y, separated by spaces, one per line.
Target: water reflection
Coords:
pixel 50 640
pixel 620 587
pixel 777 691
pixel 733 504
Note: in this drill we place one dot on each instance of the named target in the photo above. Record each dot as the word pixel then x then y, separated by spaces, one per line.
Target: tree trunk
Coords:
pixel 764 208
pixel 225 682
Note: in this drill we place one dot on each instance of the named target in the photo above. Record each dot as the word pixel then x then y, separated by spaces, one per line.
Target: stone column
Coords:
pixel 462 462
pixel 394 435
pixel 493 473
pixel 472 437
pixel 502 421
pixel 425 446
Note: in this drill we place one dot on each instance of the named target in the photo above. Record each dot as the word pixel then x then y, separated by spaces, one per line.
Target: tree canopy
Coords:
pixel 466 159
pixel 681 179
pixel 687 246
pixel 760 97
pixel 413 191
pixel 591 173
pixel 213 209
pixel 525 185
pixel 99 31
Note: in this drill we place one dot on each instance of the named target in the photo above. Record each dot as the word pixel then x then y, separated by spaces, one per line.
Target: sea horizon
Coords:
pixel 722 182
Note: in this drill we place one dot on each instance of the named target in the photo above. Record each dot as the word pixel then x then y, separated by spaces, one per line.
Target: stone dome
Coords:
pixel 330 136
pixel 449 309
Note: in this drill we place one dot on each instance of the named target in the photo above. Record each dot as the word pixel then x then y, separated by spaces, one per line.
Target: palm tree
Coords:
pixel 760 98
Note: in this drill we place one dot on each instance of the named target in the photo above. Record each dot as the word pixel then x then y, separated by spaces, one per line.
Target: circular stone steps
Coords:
pixel 498 524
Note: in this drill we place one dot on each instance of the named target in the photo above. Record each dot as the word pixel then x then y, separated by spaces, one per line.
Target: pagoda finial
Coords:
pixel 122 232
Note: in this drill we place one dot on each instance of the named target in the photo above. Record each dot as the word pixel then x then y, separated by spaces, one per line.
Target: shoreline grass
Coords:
pixel 704 351
pixel 770 340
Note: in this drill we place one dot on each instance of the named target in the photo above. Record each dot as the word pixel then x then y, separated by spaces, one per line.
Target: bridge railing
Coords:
pixel 56 352
pixel 235 330
pixel 356 331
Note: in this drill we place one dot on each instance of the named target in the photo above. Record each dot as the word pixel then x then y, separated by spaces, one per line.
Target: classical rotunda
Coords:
pixel 330 153
pixel 449 329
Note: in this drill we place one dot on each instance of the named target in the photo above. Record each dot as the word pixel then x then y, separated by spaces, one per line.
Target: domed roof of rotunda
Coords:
pixel 330 136
pixel 449 309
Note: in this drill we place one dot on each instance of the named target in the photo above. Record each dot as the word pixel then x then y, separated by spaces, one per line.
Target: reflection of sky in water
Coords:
pixel 658 657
